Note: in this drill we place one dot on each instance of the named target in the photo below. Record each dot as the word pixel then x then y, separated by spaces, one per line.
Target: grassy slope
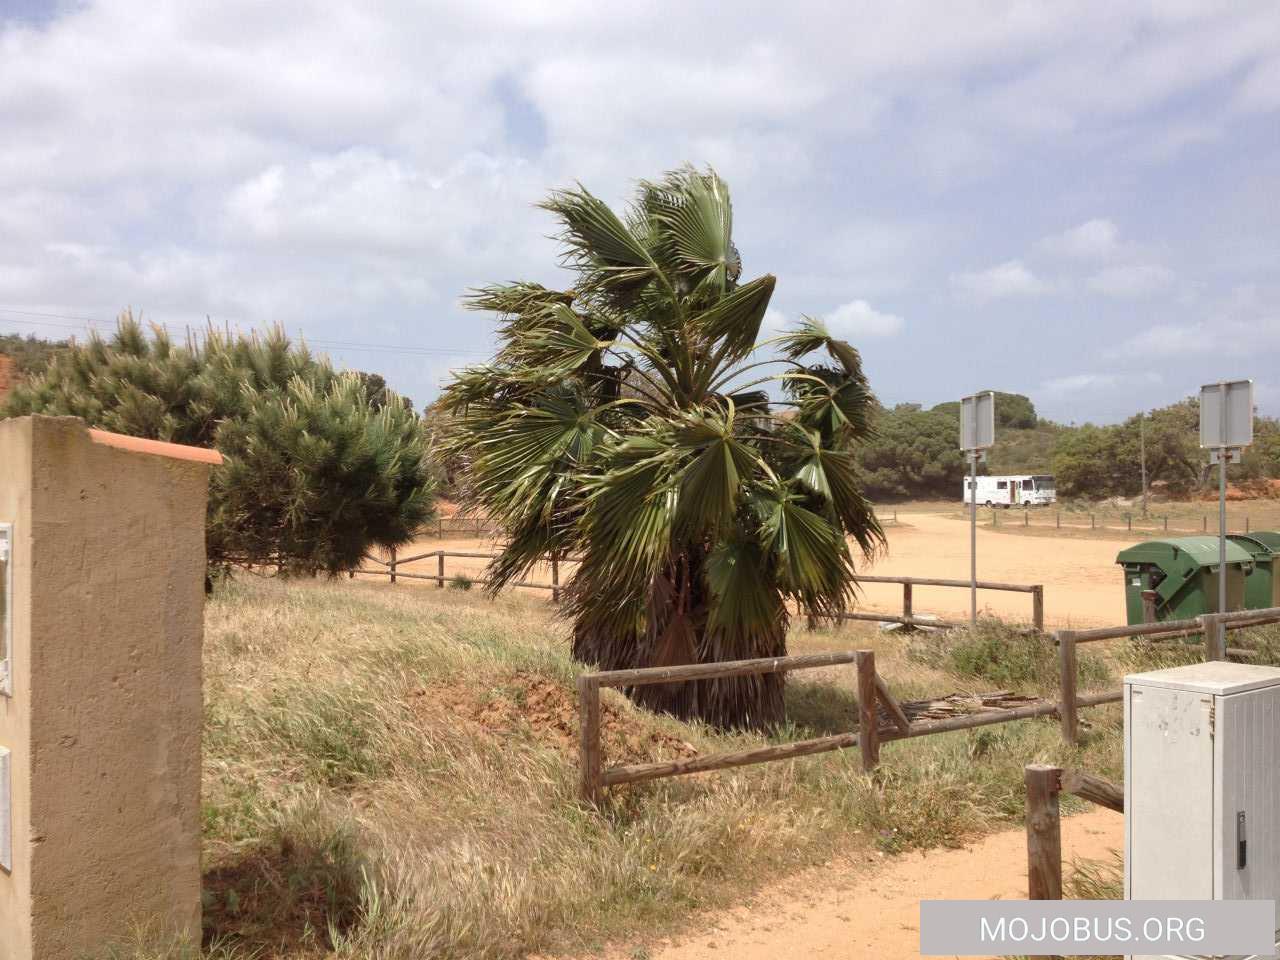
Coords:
pixel 389 773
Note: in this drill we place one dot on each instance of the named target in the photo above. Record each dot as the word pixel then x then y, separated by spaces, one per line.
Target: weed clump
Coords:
pixel 1003 655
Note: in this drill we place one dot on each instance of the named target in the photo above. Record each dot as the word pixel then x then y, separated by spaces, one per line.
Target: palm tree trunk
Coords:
pixel 751 702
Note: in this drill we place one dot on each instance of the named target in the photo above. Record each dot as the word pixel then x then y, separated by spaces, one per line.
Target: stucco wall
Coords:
pixel 105 721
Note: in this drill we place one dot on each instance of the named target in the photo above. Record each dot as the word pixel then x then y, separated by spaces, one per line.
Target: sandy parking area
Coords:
pixel 1082 584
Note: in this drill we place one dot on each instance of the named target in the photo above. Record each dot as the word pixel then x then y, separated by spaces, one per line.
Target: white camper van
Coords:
pixel 1022 491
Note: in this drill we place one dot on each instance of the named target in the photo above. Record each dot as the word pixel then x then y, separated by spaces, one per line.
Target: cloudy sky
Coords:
pixel 1079 201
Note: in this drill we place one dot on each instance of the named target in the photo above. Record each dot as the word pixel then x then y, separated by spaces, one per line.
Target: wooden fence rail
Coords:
pixel 872 690
pixel 480 527
pixel 391 568
pixel 1044 825
pixel 908 617
pixel 1152 523
pixel 1213 626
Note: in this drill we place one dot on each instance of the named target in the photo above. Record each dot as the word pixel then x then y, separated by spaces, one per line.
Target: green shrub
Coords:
pixel 1004 655
pixel 320 466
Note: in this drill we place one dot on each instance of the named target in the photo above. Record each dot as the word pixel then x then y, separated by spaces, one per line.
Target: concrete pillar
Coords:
pixel 103 723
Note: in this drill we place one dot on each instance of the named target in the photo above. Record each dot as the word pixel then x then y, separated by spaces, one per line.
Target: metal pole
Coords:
pixel 973 538
pixel 1222 508
pixel 1142 443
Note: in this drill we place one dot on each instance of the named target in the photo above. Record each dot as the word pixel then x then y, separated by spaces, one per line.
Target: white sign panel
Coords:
pixel 978 421
pixel 1226 414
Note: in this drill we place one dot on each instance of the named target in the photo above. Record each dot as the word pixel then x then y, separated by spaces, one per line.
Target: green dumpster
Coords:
pixel 1262 586
pixel 1183 572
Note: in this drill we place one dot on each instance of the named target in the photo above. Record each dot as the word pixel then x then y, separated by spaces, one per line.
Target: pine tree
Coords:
pixel 316 472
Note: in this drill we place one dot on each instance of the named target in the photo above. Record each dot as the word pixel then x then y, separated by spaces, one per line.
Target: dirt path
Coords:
pixel 1082 584
pixel 846 911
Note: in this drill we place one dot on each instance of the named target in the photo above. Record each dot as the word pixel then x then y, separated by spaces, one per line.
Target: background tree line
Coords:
pixel 914 454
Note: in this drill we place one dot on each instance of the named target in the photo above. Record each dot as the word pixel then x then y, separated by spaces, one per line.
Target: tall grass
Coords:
pixel 1004 655
pixel 389 773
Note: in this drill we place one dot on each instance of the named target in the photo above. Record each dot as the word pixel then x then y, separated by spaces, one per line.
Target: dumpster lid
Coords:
pixel 1262 551
pixel 1201 551
pixel 1268 538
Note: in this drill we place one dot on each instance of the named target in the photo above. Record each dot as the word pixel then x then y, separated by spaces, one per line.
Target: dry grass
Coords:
pixel 390 773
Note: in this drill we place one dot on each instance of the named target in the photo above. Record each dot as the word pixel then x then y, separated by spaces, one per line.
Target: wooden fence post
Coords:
pixel 1129 519
pixel 1149 606
pixel 1037 607
pixel 440 570
pixel 995 517
pixel 1067 710
pixel 589 738
pixel 1246 523
pixel 555 578
pixel 1166 523
pixel 908 612
pixel 1204 523
pixel 439 528
pixel 1092 525
pixel 868 723
pixel 1044 832
pixel 392 565
pixel 1215 636
pixel 1057 520
pixel 1026 516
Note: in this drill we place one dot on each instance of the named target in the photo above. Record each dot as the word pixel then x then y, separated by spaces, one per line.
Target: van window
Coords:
pixel 1002 485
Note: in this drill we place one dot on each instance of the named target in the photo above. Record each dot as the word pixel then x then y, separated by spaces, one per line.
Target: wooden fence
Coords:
pixel 908 612
pixel 1213 627
pixel 871 690
pixel 1126 522
pixel 1044 825
pixel 480 527
pixel 391 568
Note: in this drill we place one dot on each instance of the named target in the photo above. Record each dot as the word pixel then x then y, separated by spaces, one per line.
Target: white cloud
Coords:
pixel 1234 334
pixel 1009 279
pixel 1091 240
pixel 354 168
pixel 1132 280
pixel 1078 383
pixel 858 319
pixel 1261 88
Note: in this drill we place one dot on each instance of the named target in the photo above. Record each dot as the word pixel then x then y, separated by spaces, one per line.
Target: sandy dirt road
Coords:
pixel 834 913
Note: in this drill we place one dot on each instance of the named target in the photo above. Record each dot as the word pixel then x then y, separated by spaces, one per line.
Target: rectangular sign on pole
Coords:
pixel 1226 414
pixel 978 421
pixel 977 434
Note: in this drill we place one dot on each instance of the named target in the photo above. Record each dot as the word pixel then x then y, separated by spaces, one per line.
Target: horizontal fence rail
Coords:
pixel 480 527
pixel 908 617
pixel 391 568
pixel 872 691
pixel 1039 517
pixel 1213 626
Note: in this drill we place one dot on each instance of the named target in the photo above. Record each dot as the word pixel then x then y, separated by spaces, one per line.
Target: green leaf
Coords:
pixel 735 319
pixel 693 218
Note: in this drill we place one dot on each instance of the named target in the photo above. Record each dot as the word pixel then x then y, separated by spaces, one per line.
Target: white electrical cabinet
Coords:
pixel 1202 783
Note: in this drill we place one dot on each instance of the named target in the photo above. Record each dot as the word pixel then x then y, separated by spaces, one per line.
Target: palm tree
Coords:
pixel 627 421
